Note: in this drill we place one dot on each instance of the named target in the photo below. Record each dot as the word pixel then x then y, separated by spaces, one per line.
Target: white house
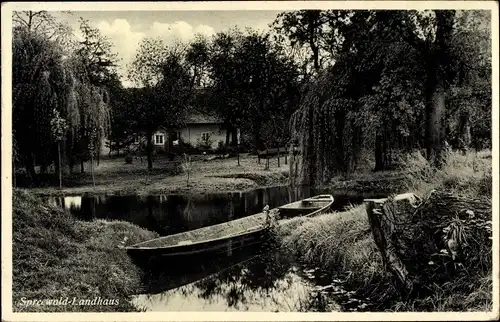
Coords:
pixel 199 128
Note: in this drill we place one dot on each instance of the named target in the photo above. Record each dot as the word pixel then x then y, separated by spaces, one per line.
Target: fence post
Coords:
pixel 267 159
pixel 238 153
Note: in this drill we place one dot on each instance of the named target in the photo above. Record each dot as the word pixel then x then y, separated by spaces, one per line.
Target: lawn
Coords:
pixel 114 176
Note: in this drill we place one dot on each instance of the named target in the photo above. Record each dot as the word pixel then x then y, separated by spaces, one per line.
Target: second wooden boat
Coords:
pixel 228 235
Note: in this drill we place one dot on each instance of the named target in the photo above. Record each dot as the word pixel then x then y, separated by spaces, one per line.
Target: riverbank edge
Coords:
pixel 58 257
pixel 240 183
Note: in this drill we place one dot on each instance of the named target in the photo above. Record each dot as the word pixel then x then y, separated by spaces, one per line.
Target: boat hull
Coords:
pixel 231 235
pixel 206 248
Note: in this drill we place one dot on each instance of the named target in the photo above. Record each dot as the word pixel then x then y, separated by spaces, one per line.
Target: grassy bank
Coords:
pixel 342 242
pixel 57 256
pixel 114 176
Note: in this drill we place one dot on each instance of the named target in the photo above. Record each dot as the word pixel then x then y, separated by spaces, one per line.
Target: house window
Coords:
pixel 158 139
pixel 205 136
pixel 176 135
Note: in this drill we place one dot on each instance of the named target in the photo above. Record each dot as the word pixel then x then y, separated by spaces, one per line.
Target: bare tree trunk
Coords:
pixel 71 164
pixel 435 112
pixel 30 167
pixel 234 136
pixel 435 87
pixel 59 163
pixel 149 149
pixel 464 128
pixel 92 169
pixel 238 153
pixel 382 231
pixel 228 134
pixel 379 153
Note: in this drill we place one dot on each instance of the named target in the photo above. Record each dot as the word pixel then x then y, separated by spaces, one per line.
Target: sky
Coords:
pixel 125 29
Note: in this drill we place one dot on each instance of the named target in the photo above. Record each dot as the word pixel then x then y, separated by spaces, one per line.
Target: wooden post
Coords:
pixel 238 153
pixel 278 156
pixel 286 155
pixel 267 159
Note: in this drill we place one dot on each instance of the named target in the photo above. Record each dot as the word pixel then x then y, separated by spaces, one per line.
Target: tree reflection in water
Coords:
pixel 267 282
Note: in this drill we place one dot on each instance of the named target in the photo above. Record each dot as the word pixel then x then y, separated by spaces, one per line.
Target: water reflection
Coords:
pixel 168 214
pixel 265 282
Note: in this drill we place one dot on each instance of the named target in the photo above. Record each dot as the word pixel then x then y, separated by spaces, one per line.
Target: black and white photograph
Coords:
pixel 215 158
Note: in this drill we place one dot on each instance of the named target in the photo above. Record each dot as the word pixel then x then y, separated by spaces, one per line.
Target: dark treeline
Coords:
pixel 333 83
pixel 390 81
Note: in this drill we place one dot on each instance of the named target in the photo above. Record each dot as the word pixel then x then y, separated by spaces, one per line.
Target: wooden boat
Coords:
pixel 229 235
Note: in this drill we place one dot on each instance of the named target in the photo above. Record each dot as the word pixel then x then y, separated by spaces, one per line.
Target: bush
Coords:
pixel 204 145
pixel 128 159
pixel 221 148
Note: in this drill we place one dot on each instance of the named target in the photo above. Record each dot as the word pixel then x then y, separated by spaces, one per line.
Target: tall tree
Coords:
pixel 305 28
pixel 165 88
pixel 95 62
pixel 393 70
pixel 49 84
pixel 437 85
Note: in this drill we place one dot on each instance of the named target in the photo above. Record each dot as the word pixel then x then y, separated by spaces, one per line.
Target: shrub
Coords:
pixel 204 145
pixel 129 159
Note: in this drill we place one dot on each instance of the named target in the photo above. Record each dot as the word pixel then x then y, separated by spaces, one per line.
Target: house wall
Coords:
pixel 104 148
pixel 193 133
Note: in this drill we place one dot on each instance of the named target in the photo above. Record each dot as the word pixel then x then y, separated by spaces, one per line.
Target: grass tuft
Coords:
pixel 339 242
pixel 466 175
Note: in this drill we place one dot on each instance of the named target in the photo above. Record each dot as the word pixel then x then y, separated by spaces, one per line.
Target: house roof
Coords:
pixel 202 119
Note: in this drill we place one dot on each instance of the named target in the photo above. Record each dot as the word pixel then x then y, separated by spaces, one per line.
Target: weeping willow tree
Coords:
pixel 48 83
pixel 40 86
pixel 325 132
pixel 91 108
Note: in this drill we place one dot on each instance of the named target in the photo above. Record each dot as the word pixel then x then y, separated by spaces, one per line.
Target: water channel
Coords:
pixel 256 278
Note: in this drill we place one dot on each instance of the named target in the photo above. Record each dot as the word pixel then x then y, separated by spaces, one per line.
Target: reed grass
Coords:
pixel 342 242
pixel 338 241
pixel 468 175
